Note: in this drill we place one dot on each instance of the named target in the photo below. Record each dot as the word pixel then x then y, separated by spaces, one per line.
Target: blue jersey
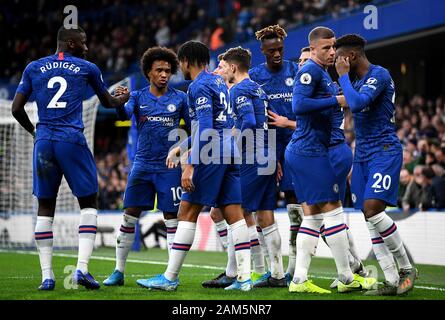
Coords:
pixel 249 103
pixel 314 102
pixel 59 83
pixel 278 87
pixel 132 140
pixel 337 122
pixel 155 118
pixel 374 118
pixel 209 108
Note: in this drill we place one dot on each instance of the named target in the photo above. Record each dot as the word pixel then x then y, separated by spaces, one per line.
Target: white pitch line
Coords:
pixel 69 255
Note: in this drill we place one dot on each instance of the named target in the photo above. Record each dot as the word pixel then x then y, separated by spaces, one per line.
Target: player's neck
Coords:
pixel 195 71
pixel 318 61
pixel 363 68
pixel 63 49
pixel 275 67
pixel 158 92
pixel 241 76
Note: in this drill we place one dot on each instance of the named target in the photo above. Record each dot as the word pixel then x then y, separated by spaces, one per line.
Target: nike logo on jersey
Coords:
pixel 378 191
pixel 143 107
pixel 176 204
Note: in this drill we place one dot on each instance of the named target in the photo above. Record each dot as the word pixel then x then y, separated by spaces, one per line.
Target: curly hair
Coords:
pixel 159 54
pixel 271 32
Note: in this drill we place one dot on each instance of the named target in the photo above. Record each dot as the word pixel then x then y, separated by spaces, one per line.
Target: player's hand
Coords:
pixel 342 101
pixel 276 120
pixel 186 179
pixel 121 91
pixel 342 65
pixel 279 171
pixel 172 160
pixel 340 90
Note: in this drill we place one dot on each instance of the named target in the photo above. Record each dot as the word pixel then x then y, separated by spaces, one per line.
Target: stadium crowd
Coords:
pixel 421 129
pixel 168 23
pixel 127 28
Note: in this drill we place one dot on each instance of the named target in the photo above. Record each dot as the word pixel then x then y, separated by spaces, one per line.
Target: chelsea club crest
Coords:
pixel 171 108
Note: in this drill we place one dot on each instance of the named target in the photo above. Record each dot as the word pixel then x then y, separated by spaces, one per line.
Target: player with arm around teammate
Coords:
pixel 60 149
pixel 313 176
pixel 340 156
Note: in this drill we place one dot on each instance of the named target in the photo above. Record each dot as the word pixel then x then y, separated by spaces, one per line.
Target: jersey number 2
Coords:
pixel 54 103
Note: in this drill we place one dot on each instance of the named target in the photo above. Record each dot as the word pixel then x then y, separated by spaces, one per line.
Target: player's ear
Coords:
pixel 70 43
pixel 352 55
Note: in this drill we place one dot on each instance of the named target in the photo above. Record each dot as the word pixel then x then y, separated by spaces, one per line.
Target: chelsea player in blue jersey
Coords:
pixel 210 177
pixel 276 78
pixel 340 156
pixel 258 177
pixel 378 158
pixel 58 83
pixel 158 110
pixel 315 181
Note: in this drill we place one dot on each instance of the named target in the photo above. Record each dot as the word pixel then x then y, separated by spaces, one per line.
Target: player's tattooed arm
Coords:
pixel 280 121
pixel 19 113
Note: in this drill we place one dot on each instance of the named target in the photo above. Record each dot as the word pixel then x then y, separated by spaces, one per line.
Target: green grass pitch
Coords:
pixel 20 277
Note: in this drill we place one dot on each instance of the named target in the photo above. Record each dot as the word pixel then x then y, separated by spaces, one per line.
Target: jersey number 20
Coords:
pixel 54 103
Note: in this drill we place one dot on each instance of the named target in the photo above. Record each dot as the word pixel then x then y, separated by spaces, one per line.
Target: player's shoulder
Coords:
pixel 379 71
pixel 309 66
pixel 377 75
pixel 308 72
pixel 39 62
pixel 251 87
pixel 257 71
pixel 138 93
pixel 291 66
pixel 179 94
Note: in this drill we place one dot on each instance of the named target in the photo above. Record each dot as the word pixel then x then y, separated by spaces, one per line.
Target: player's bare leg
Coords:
pixel 382 227
pixel 272 239
pixel 43 236
pixel 233 213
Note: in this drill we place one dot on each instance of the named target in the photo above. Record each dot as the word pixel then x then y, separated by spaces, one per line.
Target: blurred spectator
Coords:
pixel 405 180
pixel 118 29
pixel 438 186
pixel 419 193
